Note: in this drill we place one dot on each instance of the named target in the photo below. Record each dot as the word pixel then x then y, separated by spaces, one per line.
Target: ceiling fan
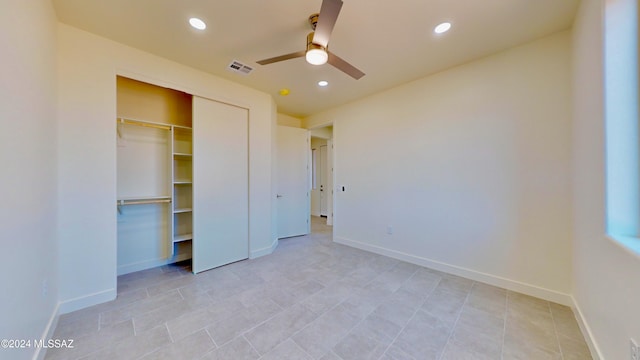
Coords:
pixel 318 40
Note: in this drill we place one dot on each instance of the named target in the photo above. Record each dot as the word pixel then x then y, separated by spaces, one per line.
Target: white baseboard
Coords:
pixel 149 264
pixel 509 284
pixel 48 333
pixel 586 331
pixel 82 302
pixel 264 251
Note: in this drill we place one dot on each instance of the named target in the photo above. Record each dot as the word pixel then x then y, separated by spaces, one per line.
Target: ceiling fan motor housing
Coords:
pixel 312 45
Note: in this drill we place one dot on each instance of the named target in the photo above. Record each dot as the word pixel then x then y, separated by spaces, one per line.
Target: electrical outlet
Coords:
pixel 635 351
pixel 389 229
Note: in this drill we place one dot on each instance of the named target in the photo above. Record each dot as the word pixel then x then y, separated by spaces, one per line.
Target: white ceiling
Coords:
pixel 391 41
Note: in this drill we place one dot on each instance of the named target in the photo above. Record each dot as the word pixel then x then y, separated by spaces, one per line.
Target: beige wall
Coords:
pixel 286 120
pixel 140 100
pixel 471 168
pixel 323 132
pixel 28 156
pixel 87 70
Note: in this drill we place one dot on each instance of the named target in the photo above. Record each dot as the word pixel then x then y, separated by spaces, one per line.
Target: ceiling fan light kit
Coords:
pixel 316 52
pixel 317 57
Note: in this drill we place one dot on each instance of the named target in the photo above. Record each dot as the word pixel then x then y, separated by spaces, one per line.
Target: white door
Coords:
pixel 293 182
pixel 220 184
pixel 323 180
pixel 330 188
pixel 316 172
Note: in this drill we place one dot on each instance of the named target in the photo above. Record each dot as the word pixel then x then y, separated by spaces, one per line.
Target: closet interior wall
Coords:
pixel 154 175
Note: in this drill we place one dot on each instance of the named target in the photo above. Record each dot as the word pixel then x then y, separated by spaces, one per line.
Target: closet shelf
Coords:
pixel 183 155
pixel 183 182
pixel 184 237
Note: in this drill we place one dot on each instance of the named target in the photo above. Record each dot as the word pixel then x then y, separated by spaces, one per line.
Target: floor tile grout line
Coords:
pixel 242 333
pixel 212 339
pixel 251 345
pixel 455 323
pixel 379 304
pixel 169 332
pixel 136 302
pixel 411 318
pixel 555 330
pixel 303 349
pixel 504 325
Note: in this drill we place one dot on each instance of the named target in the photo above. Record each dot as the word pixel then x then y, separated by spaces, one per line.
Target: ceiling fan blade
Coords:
pixel 344 66
pixel 326 21
pixel 282 58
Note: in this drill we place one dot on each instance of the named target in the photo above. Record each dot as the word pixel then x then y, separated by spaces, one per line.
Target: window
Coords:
pixel 621 121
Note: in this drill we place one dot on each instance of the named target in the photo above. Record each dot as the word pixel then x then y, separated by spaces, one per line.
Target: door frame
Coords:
pixel 330 186
pixel 331 176
pixel 324 180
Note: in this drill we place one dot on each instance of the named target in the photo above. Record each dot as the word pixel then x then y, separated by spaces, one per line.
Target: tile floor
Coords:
pixel 314 299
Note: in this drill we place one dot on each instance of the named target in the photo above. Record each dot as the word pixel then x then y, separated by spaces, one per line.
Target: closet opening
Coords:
pixel 154 176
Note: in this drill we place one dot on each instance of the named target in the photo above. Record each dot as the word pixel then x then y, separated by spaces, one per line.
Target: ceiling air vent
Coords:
pixel 240 68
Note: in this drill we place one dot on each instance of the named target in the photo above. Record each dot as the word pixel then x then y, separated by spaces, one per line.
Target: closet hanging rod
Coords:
pixel 141 201
pixel 143 123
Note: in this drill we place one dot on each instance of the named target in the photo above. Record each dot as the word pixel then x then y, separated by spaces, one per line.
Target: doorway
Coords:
pixel 322 173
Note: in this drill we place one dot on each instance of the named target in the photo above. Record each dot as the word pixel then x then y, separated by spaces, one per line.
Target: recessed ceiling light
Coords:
pixel 444 27
pixel 284 92
pixel 197 23
pixel 323 83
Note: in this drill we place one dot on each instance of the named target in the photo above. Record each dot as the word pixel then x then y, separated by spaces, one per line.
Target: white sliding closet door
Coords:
pixel 220 184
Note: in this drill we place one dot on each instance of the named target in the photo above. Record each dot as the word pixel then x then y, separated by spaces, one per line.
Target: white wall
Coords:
pixel 88 66
pixel 605 276
pixel 470 166
pixel 28 157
